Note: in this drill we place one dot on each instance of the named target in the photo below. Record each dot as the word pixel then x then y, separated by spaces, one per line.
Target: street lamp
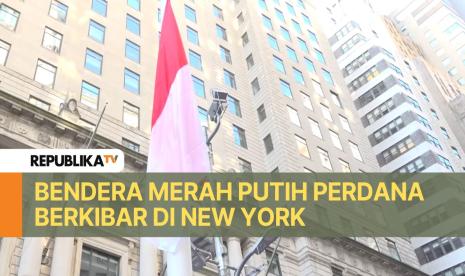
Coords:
pixel 217 110
pixel 259 247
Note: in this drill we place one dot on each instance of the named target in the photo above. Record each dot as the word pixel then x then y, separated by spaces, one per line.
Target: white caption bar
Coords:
pixel 61 160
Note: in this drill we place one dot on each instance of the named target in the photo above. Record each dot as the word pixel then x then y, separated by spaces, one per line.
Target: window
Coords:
pixel 229 79
pixel 40 104
pixel 262 5
pixel 268 141
pixel 309 65
pixel 94 262
pixel 327 77
pixel 255 86
pixel 315 128
pixel 240 18
pixel 280 15
pixel 217 12
pixel 279 64
pixel 317 87
pixel 355 151
pixel 4 51
pixel 313 37
pixel 93 62
pixel 455 151
pixel 306 101
pixel 292 54
pixel 298 76
pixel 131 81
pixel 285 89
pixel 52 40
pixel 335 139
pixel 446 163
pixel 90 95
pixel 296 26
pixel 225 55
pixel 239 136
pixel 221 33
pixel 336 99
pixel 273 42
pixel 234 106
pixel 293 116
pixel 290 9
pixel 8 17
pixel 58 10
pixel 302 147
pixel 195 60
pixel 445 133
pixel 303 45
pixel 267 22
pixel 45 73
pixel 135 4
pixel 130 115
pixel 244 165
pixel 319 56
pixel 130 145
pixel 192 36
pixel 261 112
pixel 250 62
pixel 345 167
pixel 245 39
pixel 434 114
pixel 324 158
pixel 190 13
pixel 380 111
pixel 307 20
pixel 100 7
pixel 203 117
pixel 393 249
pixel 345 123
pixel 96 31
pixel 326 112
pixel 285 34
pixel 199 87
pixel 133 24
pixel 132 51
pixel 275 267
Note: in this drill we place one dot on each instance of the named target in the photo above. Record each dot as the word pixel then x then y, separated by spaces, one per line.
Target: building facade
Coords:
pixel 289 110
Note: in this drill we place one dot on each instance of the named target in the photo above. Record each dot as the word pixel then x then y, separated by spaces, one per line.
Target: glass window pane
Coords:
pixel 133 24
pixel 52 40
pixel 131 81
pixel 90 95
pixel 45 73
pixel 132 51
pixel 8 17
pixel 96 31
pixel 100 7
pixel 93 61
pixel 58 10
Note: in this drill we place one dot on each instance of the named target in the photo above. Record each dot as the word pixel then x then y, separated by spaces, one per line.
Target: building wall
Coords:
pixel 22 124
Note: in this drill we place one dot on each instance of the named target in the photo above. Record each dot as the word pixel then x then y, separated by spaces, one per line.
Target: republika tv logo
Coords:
pixel 61 160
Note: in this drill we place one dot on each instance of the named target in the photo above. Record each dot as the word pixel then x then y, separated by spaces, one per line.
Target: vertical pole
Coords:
pixel 148 258
pixel 96 127
pixel 62 257
pixel 180 262
pixel 31 257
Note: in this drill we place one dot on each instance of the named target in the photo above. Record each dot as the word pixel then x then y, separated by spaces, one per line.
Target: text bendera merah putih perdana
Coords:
pixel 199 192
pixel 228 191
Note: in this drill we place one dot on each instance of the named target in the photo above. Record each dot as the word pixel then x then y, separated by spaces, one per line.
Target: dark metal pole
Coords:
pixel 96 126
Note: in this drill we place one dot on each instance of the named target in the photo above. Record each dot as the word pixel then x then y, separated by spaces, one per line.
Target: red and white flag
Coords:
pixel 177 141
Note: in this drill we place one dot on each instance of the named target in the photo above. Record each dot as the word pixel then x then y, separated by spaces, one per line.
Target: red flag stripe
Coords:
pixel 171 58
